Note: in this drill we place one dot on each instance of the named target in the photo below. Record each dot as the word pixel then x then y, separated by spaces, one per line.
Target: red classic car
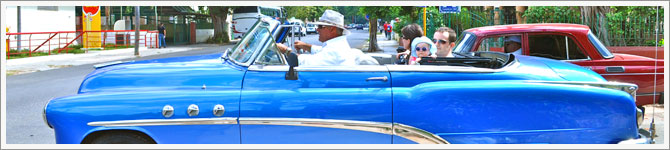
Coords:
pixel 575 44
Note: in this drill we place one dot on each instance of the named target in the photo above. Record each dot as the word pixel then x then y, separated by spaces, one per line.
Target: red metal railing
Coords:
pixel 57 42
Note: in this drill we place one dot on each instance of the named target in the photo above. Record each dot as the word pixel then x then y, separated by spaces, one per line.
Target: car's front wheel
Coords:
pixel 119 137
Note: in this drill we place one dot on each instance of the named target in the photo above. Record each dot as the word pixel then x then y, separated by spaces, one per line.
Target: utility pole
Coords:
pixel 156 15
pixel 18 28
pixel 424 21
pixel 137 30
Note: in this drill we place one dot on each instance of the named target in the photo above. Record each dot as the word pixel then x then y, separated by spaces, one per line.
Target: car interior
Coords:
pixel 492 60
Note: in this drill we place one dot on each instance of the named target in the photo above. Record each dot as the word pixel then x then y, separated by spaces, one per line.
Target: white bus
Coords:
pixel 244 17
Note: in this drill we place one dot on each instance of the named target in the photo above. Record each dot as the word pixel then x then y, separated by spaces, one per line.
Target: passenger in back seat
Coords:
pixel 422 47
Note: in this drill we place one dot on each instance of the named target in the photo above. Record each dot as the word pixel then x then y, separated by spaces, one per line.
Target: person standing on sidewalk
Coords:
pixel 444 39
pixel 161 36
pixel 386 33
pixel 335 49
pixel 389 31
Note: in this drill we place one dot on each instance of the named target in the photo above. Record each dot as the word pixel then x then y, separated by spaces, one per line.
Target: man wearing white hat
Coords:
pixel 513 45
pixel 335 49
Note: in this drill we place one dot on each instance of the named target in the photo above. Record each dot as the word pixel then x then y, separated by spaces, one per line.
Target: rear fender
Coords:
pixel 517 111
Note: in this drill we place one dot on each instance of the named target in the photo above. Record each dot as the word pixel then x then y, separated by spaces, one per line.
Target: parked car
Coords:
pixel 252 94
pixel 301 29
pixel 359 27
pixel 311 28
pixel 575 44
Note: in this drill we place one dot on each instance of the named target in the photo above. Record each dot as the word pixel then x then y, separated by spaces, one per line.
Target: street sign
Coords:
pixel 91 10
pixel 450 9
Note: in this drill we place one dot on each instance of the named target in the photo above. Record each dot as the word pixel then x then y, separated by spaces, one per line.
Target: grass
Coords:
pixel 73 49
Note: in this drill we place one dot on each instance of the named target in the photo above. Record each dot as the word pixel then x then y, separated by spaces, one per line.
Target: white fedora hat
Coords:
pixel 332 18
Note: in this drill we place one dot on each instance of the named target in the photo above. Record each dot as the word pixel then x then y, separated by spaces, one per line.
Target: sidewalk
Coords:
pixel 387 46
pixel 42 63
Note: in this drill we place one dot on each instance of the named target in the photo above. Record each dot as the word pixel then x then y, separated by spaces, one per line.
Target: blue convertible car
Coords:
pixel 254 94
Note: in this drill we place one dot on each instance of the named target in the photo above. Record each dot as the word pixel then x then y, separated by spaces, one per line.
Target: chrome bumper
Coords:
pixel 642 139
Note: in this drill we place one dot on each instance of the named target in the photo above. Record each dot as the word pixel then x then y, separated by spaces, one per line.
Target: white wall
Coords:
pixel 201 35
pixel 34 20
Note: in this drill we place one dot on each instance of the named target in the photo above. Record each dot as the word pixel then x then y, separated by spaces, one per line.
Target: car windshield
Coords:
pixel 252 42
pixel 465 43
pixel 599 46
pixel 310 25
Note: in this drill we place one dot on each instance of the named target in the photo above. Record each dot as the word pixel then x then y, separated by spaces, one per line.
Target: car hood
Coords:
pixel 192 72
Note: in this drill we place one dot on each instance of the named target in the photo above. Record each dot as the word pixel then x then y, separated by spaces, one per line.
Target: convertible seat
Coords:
pixel 364 59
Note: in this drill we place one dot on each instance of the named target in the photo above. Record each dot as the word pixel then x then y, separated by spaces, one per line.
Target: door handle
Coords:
pixel 384 78
pixel 616 69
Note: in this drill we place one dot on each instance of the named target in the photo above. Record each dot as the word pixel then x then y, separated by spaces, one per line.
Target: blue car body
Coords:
pixel 528 100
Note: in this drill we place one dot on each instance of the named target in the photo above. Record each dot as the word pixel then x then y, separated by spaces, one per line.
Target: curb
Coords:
pixel 43 63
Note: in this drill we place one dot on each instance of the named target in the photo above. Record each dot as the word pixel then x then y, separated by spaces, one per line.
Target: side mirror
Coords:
pixel 225 54
pixel 292 60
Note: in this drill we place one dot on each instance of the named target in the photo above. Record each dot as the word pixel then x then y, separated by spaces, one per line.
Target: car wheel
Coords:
pixel 121 138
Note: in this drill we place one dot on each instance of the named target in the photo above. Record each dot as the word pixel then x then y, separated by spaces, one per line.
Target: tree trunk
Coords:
pixel 519 14
pixel 594 17
pixel 219 16
pixel 373 47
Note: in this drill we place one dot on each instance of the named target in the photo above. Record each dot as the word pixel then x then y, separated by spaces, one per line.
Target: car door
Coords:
pixel 326 104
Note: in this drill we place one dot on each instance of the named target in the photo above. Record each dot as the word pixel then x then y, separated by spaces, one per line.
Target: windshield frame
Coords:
pixel 262 23
pixel 602 50
pixel 465 43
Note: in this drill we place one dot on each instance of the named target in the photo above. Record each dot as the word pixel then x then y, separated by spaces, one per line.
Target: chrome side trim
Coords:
pixel 417 135
pixel 411 133
pixel 159 122
pixel 405 131
pixel 626 87
pixel 614 74
pixel 649 94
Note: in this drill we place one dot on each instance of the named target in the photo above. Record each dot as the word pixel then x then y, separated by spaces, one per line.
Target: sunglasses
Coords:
pixel 439 41
pixel 321 26
pixel 421 49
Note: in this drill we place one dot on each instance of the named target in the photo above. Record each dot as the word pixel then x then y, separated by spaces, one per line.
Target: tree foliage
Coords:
pixel 613 25
pixel 374 12
pixel 309 13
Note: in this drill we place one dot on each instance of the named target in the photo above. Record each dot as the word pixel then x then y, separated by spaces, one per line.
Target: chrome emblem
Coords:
pixel 193 110
pixel 219 110
pixel 168 111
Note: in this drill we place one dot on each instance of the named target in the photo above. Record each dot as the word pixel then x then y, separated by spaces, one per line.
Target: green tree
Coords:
pixel 375 12
pixel 219 15
pixel 309 13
